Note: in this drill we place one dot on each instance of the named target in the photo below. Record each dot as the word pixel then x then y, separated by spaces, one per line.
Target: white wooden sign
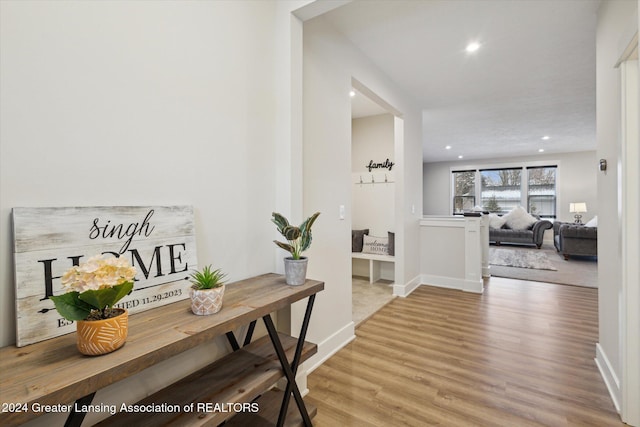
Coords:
pixel 158 240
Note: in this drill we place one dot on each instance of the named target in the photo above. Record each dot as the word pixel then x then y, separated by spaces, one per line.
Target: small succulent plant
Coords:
pixel 207 278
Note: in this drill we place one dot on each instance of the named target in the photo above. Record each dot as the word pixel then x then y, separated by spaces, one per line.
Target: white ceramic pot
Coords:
pixel 295 271
pixel 206 301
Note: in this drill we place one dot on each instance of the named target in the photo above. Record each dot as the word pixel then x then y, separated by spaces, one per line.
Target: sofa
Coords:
pixel 518 226
pixel 575 239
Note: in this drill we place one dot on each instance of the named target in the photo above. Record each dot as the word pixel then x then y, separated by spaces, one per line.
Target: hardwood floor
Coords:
pixel 521 354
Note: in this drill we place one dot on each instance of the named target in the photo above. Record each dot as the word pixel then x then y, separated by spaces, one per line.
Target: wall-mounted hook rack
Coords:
pixel 373 178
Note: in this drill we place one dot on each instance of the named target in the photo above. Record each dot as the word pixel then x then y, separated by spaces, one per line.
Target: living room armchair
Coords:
pixel 575 239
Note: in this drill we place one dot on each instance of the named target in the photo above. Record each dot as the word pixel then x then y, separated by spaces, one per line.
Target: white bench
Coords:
pixel 375 262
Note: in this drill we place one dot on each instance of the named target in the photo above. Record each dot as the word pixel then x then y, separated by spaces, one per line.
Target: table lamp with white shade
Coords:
pixel 578 209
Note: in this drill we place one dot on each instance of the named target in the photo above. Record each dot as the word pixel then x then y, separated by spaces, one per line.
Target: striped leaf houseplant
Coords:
pixel 298 241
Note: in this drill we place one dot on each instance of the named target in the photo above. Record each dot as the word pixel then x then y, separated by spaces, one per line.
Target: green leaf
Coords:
pixel 280 221
pixel 98 299
pixel 106 297
pixel 123 290
pixel 305 241
pixel 70 306
pixel 287 247
pixel 291 232
pixel 306 225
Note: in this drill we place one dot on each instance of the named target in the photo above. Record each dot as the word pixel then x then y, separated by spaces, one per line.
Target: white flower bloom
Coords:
pixel 98 273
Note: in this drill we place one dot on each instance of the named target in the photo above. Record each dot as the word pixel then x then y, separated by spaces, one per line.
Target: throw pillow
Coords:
pixel 496 221
pixel 356 239
pixel 392 243
pixel 519 219
pixel 375 245
pixel 593 222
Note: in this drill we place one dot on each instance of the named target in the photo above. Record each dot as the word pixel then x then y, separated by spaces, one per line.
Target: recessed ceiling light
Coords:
pixel 460 156
pixel 448 147
pixel 352 93
pixel 472 47
pixel 546 137
pixel 541 150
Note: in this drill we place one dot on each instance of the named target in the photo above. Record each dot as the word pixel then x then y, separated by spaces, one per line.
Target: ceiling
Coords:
pixel 534 74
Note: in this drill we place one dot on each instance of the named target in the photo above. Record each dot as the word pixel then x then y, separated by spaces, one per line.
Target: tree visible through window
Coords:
pixel 541 194
pixel 501 189
pixel 464 189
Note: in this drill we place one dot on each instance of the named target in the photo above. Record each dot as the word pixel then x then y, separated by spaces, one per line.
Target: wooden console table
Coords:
pixel 54 373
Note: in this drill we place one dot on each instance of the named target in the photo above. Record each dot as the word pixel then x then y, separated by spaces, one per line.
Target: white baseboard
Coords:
pixel 609 376
pixel 453 283
pixel 475 286
pixel 331 346
pixel 407 288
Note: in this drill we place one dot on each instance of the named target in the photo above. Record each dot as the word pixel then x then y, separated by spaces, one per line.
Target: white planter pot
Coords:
pixel 206 301
pixel 295 271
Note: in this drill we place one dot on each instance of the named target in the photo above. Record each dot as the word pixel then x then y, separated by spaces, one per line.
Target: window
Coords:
pixel 541 192
pixel 501 189
pixel 464 189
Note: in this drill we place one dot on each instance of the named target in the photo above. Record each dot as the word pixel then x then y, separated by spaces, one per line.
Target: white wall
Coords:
pixel 371 139
pixel 617 22
pixel 330 63
pixel 141 103
pixel 373 204
pixel 577 173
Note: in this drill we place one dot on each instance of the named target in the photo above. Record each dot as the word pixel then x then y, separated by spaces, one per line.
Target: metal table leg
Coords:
pixel 247 339
pixel 233 341
pixel 75 418
pixel 291 370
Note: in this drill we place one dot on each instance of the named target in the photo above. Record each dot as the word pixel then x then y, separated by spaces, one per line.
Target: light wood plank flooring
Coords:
pixel 521 354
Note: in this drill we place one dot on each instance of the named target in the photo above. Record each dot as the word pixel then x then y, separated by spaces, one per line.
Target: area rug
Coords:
pixel 577 271
pixel 522 259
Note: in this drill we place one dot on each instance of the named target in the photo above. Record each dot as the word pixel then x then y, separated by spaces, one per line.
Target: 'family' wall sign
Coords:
pixel 387 164
pixel 158 240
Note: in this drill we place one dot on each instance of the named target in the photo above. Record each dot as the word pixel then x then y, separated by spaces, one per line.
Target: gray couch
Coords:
pixel 575 239
pixel 533 236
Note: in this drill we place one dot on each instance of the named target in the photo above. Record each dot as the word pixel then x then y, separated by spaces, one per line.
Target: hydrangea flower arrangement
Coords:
pixel 94 287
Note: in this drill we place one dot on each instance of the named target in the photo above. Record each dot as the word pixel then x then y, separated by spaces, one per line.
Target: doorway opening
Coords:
pixel 373 201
